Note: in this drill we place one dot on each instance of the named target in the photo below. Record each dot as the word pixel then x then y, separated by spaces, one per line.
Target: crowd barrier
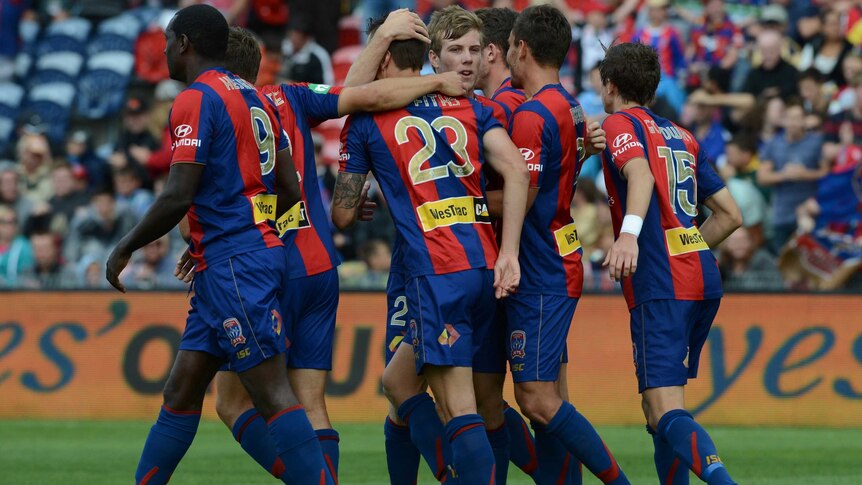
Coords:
pixel 783 360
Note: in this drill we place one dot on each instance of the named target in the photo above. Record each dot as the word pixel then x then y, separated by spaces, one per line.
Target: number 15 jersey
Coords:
pixel 428 160
pixel 674 262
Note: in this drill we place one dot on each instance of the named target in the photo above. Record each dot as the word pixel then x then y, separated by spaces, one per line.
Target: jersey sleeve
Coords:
pixel 284 142
pixel 319 102
pixel 623 142
pixel 354 155
pixel 526 131
pixel 708 181
pixel 191 123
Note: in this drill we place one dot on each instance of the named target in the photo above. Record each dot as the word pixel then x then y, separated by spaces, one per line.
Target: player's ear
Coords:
pixel 434 60
pixel 522 49
pixel 491 53
pixel 183 43
pixel 384 64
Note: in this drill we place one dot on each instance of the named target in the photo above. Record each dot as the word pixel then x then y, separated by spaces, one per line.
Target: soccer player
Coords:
pixel 227 139
pixel 495 79
pixel 656 176
pixel 404 389
pixel 550 130
pixel 310 290
pixel 428 159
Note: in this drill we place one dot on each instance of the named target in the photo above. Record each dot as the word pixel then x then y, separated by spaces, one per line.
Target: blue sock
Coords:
pixel 499 440
pixel 692 444
pixel 582 441
pixel 426 431
pixel 555 461
pixel 329 440
pixel 168 441
pixel 402 456
pixel 252 434
pixel 522 446
pixel 298 447
pixel 576 472
pixel 667 465
pixel 472 457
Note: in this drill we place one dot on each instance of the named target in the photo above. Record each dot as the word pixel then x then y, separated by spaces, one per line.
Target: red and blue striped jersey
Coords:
pixel 225 124
pixel 674 261
pixel 305 230
pixel 669 45
pixel 549 131
pixel 508 96
pixel 428 159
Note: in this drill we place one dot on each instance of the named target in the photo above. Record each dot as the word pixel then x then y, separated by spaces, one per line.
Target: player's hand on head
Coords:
pixel 507 275
pixel 596 138
pixel 402 24
pixel 452 84
pixel 185 270
pixel 117 262
pixel 366 207
pixel 622 259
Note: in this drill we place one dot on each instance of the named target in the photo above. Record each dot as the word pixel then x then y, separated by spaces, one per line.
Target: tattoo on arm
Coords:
pixel 348 187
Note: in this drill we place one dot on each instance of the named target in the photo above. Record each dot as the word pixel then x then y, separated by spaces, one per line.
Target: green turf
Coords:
pixel 98 452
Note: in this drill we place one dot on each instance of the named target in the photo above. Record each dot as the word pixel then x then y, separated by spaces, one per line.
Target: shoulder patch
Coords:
pixel 319 88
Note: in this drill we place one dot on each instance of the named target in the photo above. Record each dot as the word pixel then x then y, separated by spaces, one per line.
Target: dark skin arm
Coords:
pixel 167 210
pixel 286 183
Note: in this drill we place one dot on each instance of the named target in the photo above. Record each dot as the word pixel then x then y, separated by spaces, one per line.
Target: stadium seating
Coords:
pixel 52 103
pixel 116 34
pixel 11 97
pixel 342 59
pixel 57 67
pixel 102 89
pixel 68 35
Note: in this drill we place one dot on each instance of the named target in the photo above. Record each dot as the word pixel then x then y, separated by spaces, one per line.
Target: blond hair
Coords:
pixel 452 22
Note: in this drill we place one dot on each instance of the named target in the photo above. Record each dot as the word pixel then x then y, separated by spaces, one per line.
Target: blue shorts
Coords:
pixel 309 306
pixel 396 313
pixel 538 327
pixel 491 357
pixel 235 310
pixel 667 337
pixel 450 315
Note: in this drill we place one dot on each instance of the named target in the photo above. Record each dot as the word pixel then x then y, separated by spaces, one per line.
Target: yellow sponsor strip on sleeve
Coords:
pixel 263 206
pixel 567 239
pixel 295 218
pixel 454 210
pixel 681 241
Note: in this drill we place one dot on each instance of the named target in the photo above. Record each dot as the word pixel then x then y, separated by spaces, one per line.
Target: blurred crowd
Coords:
pixel 772 90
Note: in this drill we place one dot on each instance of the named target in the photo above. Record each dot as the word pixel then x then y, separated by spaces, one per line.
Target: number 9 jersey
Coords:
pixel 428 160
pixel 674 262
pixel 223 123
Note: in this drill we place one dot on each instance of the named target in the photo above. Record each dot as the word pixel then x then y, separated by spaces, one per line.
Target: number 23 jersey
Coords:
pixel 674 262
pixel 428 160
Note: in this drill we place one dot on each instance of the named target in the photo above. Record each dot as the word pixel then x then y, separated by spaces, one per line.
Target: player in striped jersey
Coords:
pixel 656 177
pixel 310 290
pixel 229 154
pixel 554 137
pixel 429 172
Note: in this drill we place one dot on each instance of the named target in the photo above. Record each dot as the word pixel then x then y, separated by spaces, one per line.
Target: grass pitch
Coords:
pixel 106 452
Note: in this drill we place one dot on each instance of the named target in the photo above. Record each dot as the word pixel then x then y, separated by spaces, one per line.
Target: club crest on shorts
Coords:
pixel 517 342
pixel 276 322
pixel 414 332
pixel 234 331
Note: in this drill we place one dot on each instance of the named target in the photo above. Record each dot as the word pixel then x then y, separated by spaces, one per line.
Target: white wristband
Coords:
pixel 632 224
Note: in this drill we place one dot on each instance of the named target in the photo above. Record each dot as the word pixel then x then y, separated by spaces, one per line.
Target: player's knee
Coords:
pixel 230 407
pixel 397 389
pixel 537 406
pixel 491 411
